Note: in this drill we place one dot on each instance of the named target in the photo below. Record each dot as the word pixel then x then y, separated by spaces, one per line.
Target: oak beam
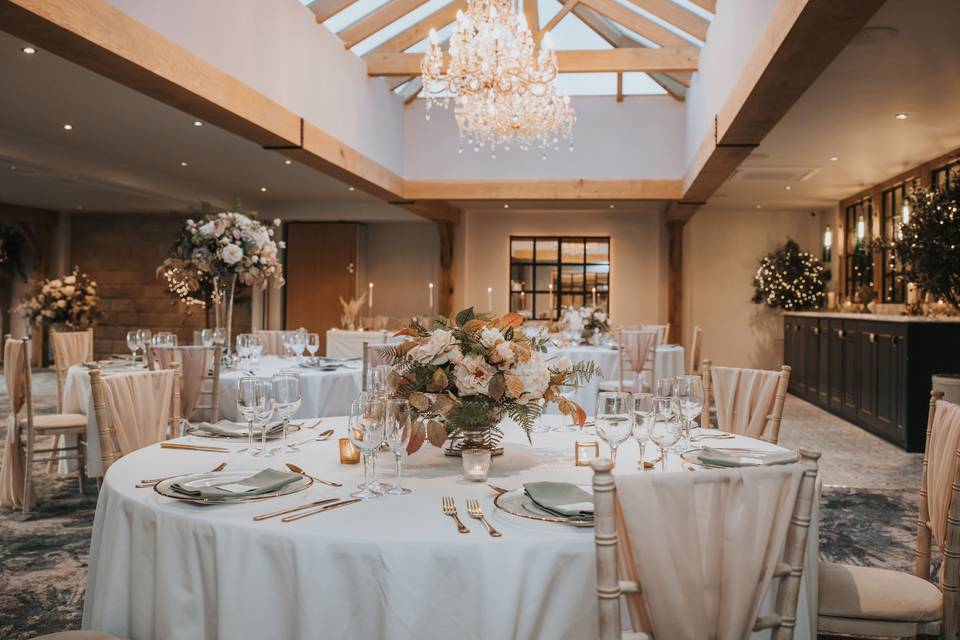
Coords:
pixel 708 5
pixel 637 23
pixel 678 16
pixel 558 16
pixel 532 15
pixel 417 32
pixel 582 61
pixel 326 9
pixel 605 190
pixel 378 19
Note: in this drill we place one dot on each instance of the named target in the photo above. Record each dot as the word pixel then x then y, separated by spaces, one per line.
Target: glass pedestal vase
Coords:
pixel 222 300
pixel 482 435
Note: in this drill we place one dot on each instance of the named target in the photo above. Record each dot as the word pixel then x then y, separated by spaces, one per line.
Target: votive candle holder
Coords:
pixel 476 464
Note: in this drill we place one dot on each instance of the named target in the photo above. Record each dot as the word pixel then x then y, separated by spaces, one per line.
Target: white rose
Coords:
pixel 505 351
pixel 276 222
pixel 69 290
pixel 600 316
pixel 61 303
pixel 490 336
pixel 562 363
pixel 231 254
pixel 535 375
pixel 206 229
pixel 70 279
pixel 56 284
pixel 435 350
pixel 473 376
pixel 455 355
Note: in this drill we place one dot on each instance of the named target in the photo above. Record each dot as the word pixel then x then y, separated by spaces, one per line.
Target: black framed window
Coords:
pixel 947 174
pixel 858 259
pixel 892 285
pixel 549 273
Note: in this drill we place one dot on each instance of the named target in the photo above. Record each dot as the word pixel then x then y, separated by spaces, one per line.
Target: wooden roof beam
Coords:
pixel 637 23
pixel 683 19
pixel 326 9
pixel 377 20
pixel 583 61
pixel 417 32
pixel 560 15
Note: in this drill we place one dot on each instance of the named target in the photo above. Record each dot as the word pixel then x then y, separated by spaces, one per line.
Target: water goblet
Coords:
pixel 144 339
pixel 665 430
pixel 287 396
pixel 397 431
pixel 567 394
pixel 219 336
pixel 688 390
pixel 133 343
pixel 313 344
pixel 614 419
pixel 206 338
pixel 664 387
pixel 263 413
pixel 247 400
pixel 366 432
pixel 644 410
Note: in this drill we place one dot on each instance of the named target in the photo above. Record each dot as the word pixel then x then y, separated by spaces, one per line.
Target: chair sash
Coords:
pixel 705 546
pixel 941 469
pixel 12 475
pixel 744 398
pixel 194 363
pixel 637 344
pixel 138 405
pixel 272 342
pixel 72 347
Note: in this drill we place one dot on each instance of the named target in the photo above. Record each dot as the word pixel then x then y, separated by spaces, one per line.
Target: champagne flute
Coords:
pixel 665 430
pixel 688 390
pixel 366 433
pixel 399 426
pixel 614 419
pixel 644 410
pixel 247 399
pixel 287 396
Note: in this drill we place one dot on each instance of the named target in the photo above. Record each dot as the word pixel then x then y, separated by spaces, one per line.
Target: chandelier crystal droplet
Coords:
pixel 503 89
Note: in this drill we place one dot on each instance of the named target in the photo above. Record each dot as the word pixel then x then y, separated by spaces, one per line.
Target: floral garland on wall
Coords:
pixel 790 279
pixel 70 300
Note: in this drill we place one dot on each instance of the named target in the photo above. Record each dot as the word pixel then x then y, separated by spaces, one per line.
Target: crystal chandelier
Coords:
pixel 503 90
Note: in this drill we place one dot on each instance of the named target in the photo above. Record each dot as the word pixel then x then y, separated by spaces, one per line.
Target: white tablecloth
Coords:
pixel 325 393
pixel 669 364
pixel 392 568
pixel 349 344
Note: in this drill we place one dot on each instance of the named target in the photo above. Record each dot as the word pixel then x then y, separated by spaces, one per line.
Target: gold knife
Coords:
pixel 320 510
pixel 267 516
pixel 192 447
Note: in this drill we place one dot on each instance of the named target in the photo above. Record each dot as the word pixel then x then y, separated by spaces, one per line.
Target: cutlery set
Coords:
pixel 473 510
pixel 316 507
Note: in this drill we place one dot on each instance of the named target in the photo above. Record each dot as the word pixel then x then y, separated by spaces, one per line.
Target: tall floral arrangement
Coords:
pixel 790 279
pixel 221 247
pixel 595 320
pixel 70 300
pixel 470 371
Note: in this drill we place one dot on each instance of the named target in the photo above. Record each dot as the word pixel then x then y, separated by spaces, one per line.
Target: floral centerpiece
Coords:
pixel 70 300
pixel 213 254
pixel 596 324
pixel 471 371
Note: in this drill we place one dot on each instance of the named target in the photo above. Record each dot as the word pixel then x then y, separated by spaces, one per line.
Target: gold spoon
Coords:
pixel 296 469
pixel 146 484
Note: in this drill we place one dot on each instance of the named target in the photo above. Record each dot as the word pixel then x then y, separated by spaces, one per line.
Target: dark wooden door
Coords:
pixel 811 358
pixel 836 365
pixel 321 267
pixel 869 383
pixel 798 377
pixel 888 339
pixel 851 363
pixel 823 362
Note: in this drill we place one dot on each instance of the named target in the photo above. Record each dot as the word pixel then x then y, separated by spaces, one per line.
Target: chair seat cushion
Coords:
pixel 59 421
pixel 869 593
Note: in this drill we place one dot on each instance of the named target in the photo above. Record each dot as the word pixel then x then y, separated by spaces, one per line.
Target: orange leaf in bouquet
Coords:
pixel 574 410
pixel 418 435
pixel 436 433
pixel 407 331
pixel 514 385
pixel 439 382
pixel 497 386
pixel 443 405
pixel 419 401
pixel 509 320
pixel 474 326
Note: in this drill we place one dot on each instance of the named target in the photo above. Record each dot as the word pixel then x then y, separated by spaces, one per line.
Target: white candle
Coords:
pixel 523 300
pixel 490 299
pixel 370 296
pixel 550 287
pixel 913 293
pixel 430 286
pixel 594 297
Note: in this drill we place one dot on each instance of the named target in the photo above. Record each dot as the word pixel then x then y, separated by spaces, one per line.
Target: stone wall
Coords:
pixel 121 252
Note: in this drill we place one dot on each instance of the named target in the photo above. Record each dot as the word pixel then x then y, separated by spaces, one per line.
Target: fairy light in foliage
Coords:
pixel 790 279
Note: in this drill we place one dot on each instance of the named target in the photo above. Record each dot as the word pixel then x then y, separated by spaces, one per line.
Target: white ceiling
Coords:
pixel 125 149
pixel 849 113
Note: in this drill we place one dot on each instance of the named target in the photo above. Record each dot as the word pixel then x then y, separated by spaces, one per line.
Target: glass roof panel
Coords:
pixel 639 84
pixel 351 14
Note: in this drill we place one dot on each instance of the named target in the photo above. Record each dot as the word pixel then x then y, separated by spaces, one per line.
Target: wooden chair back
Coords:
pixel 69 348
pixel 24 375
pixel 695 347
pixel 950 569
pixel 788 571
pixel 771 430
pixel 209 400
pixel 110 450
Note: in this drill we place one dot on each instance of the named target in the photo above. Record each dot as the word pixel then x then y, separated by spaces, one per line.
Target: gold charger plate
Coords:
pixel 197 433
pixel 693 456
pixel 163 488
pixel 517 503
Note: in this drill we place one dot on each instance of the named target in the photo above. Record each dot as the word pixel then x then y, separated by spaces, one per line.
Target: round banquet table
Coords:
pixel 394 567
pixel 669 364
pixel 325 393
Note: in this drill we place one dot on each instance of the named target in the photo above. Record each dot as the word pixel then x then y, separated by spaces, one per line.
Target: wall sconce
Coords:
pixel 827 243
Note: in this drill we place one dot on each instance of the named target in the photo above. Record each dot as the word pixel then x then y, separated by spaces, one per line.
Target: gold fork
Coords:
pixel 450 509
pixel 473 508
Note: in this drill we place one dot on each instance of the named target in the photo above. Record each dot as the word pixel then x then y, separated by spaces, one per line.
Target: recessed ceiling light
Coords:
pixel 29 50
pixel 288 161
pixel 184 163
pixel 901 116
pixel 351 188
pixel 758 206
pixel 263 188
pixel 834 158
pixel 788 187
pixel 68 127
pixel 80 207
pixel 197 123
pixel 612 206
pixel 506 206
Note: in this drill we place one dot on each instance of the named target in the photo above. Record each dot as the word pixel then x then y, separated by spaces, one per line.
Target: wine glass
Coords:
pixel 665 430
pixel 365 431
pixel 313 344
pixel 254 347
pixel 377 379
pixel 247 401
pixel 219 336
pixel 287 396
pixel 133 342
pixel 399 426
pixel 644 410
pixel 567 393
pixel 688 390
pixel 664 387
pixel 299 342
pixel 206 338
pixel 263 413
pixel 243 350
pixel 144 339
pixel 614 419
pixel 286 338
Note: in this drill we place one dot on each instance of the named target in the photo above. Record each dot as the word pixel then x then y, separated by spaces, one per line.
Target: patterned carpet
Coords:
pixel 868 517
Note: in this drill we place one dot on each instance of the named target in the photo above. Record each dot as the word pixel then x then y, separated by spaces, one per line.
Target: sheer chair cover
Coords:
pixel 703 547
pixel 138 405
pixel 744 398
pixel 194 363
pixel 272 341
pixel 69 348
pixel 15 356
pixel 639 348
pixel 942 466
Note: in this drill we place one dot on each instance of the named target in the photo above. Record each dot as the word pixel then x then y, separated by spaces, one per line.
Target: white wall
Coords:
pixel 641 137
pixel 401 260
pixel 734 32
pixel 277 48
pixel 638 269
pixel 721 252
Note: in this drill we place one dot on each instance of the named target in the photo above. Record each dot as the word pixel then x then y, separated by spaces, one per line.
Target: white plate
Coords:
pixel 517 503
pixel 216 478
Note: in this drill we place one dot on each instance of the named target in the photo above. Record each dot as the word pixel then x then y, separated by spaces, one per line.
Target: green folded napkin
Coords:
pixel 228 429
pixel 266 481
pixel 727 458
pixel 561 499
